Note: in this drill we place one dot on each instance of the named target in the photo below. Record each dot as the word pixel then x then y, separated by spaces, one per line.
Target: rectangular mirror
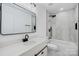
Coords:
pixel 16 19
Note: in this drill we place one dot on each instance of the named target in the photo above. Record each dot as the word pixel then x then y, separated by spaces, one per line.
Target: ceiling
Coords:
pixel 57 7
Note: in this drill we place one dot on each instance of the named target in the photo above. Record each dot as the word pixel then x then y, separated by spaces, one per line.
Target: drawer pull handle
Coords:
pixel 42 52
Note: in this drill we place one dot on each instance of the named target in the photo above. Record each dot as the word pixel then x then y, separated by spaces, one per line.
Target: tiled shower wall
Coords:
pixel 63 25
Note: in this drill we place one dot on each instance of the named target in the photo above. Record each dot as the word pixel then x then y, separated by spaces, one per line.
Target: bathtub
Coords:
pixel 62 48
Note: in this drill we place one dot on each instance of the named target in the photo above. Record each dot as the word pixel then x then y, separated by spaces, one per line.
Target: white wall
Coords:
pixel 47 23
pixel 41 21
pixel 40 28
pixel 76 20
pixel 65 26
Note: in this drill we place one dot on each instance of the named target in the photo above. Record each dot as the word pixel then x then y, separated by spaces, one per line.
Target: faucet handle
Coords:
pixel 26 36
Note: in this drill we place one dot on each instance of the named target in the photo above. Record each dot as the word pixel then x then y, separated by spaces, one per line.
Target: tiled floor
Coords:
pixel 64 48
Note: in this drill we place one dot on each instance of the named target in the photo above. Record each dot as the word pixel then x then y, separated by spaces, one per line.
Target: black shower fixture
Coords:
pixel 52 15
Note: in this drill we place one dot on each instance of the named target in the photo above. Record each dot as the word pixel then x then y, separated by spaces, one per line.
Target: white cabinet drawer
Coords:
pixel 42 52
pixel 34 50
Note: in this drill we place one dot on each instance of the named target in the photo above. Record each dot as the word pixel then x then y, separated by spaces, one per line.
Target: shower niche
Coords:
pixel 15 19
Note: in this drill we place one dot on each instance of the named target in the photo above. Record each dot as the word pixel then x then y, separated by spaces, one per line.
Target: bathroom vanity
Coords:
pixel 34 47
pixel 15 19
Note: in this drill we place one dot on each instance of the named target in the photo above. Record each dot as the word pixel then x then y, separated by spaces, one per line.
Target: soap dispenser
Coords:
pixel 26 38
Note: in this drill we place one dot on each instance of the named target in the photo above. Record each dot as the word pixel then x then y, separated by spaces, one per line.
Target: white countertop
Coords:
pixel 21 47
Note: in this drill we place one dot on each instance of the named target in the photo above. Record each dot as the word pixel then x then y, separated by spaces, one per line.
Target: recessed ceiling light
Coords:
pixel 61 9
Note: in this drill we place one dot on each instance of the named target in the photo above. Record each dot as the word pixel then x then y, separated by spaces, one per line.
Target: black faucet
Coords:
pixel 26 38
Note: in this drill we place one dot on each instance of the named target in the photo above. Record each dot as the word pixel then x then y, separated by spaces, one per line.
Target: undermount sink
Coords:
pixel 29 43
